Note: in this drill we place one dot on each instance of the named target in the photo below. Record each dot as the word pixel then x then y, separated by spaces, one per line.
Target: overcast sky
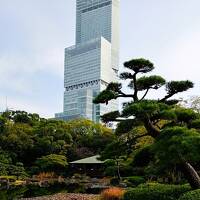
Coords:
pixel 34 33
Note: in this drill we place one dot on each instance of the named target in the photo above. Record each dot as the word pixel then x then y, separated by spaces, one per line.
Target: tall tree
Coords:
pixel 153 115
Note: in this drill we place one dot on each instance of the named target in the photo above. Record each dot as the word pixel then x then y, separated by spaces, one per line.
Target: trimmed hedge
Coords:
pixel 155 191
pixel 192 195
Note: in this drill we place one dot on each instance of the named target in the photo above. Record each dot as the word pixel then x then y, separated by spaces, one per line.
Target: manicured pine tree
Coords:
pixel 160 117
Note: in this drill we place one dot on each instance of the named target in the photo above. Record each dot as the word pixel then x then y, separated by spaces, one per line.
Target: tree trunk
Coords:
pixel 135 96
pixel 118 170
pixel 151 129
pixel 191 175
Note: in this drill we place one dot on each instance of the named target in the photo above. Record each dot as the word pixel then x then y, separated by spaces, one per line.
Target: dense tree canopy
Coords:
pixel 40 143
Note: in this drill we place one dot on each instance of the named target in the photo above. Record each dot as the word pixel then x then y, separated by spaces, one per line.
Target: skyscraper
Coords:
pixel 93 61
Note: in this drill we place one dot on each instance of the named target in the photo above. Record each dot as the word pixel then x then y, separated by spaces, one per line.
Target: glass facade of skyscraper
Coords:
pixel 93 62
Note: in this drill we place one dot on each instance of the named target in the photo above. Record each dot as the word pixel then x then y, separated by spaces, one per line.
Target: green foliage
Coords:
pixel 175 87
pixel 185 115
pixel 88 134
pixel 172 102
pixel 149 108
pixel 109 116
pixel 143 157
pixel 18 171
pixel 2 124
pixel 146 83
pixel 22 117
pixel 177 144
pixel 113 150
pixel 125 170
pixel 110 171
pixel 195 124
pixel 138 109
pixel 156 192
pixel 192 195
pixel 139 65
pixel 105 96
pixel 109 162
pixel 17 139
pixel 25 138
pixel 3 169
pixel 126 75
pixel 8 168
pixel 51 137
pixel 135 180
pixel 126 126
pixel 5 157
pixel 52 162
pixel 12 194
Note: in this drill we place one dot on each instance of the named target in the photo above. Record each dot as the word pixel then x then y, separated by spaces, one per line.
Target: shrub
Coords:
pixel 135 180
pixel 142 157
pixel 112 194
pixel 192 195
pixel 155 191
pixel 110 162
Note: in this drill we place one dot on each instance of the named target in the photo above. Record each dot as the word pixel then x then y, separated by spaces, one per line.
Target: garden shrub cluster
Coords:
pixel 155 191
pixel 192 195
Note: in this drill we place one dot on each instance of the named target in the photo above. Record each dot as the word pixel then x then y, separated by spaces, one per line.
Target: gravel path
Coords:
pixel 66 197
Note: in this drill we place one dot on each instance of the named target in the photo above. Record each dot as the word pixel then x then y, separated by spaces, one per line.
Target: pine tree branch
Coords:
pixel 145 94
pixel 166 97
pixel 120 92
